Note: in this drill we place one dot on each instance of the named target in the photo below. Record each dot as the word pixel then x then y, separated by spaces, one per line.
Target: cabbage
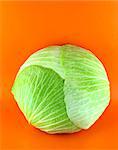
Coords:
pixel 62 89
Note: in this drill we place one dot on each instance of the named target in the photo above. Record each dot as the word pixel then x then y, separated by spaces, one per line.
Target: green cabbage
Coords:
pixel 62 89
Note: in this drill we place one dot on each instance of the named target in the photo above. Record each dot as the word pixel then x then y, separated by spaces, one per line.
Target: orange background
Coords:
pixel 28 26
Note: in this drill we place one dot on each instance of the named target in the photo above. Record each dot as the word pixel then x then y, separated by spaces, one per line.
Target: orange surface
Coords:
pixel 28 26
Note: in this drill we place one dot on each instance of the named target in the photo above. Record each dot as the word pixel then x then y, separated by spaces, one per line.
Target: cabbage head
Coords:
pixel 62 89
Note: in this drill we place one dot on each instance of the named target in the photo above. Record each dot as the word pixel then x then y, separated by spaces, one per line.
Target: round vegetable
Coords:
pixel 62 89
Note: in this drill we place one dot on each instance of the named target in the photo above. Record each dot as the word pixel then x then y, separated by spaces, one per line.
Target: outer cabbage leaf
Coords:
pixel 86 86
